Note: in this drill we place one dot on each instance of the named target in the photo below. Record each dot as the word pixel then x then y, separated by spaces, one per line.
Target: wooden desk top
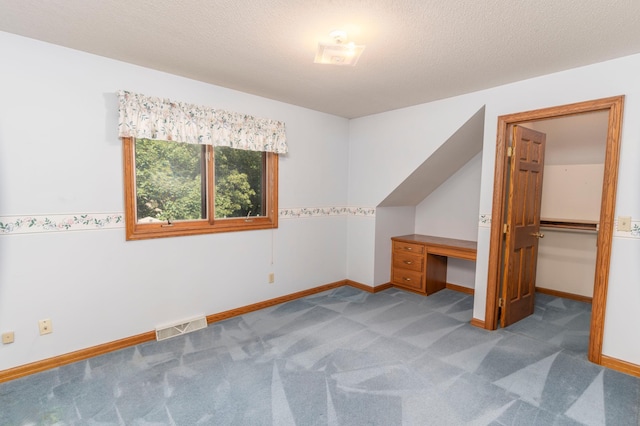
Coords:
pixel 451 247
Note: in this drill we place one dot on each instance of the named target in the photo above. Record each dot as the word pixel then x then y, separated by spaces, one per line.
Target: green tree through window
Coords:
pixel 176 188
pixel 169 181
pixel 238 182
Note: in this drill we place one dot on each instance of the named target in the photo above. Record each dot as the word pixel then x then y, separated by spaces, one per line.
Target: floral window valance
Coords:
pixel 162 119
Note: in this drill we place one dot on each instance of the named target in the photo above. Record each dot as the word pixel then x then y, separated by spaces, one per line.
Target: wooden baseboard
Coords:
pixel 360 286
pixel 82 354
pixel 382 287
pixel 365 287
pixel 477 323
pixel 460 288
pixel 272 302
pixel 564 295
pixel 621 366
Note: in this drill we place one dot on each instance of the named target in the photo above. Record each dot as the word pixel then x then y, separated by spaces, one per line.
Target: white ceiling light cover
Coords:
pixel 338 52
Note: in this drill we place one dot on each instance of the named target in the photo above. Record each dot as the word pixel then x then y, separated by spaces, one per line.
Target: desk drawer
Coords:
pixel 402 247
pixel 408 261
pixel 408 279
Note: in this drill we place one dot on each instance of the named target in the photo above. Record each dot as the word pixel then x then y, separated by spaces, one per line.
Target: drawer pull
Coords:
pixel 408 262
pixel 408 248
pixel 406 279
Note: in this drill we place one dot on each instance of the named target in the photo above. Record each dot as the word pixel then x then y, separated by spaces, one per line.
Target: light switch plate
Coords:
pixel 624 223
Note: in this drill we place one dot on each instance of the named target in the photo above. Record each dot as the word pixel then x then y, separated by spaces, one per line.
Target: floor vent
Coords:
pixel 168 331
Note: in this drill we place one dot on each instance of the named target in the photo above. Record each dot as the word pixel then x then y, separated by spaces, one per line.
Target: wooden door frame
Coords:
pixel 607 210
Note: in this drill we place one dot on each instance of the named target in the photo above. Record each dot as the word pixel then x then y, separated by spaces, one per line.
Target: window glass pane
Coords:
pixel 239 181
pixel 169 181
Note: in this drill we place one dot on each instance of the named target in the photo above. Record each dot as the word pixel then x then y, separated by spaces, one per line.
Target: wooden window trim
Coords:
pixel 142 231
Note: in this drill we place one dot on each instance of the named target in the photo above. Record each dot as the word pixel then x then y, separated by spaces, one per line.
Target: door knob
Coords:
pixel 537 234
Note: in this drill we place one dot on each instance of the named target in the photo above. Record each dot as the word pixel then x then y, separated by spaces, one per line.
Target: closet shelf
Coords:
pixel 583 225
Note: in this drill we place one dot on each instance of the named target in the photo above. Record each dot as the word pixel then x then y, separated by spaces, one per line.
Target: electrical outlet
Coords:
pixel 272 278
pixel 624 223
pixel 45 326
pixel 7 337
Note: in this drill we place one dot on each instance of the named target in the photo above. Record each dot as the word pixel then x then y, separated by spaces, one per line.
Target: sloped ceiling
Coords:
pixel 417 50
pixel 454 153
pixel 574 139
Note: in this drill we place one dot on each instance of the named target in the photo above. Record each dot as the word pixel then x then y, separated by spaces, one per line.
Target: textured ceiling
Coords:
pixel 417 50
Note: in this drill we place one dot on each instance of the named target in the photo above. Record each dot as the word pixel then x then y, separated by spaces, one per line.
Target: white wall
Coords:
pixel 361 238
pixel 385 148
pixel 452 211
pixel 390 222
pixel 567 259
pixel 572 191
pixel 60 154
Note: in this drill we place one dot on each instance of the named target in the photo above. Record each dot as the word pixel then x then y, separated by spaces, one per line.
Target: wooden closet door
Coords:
pixel 523 224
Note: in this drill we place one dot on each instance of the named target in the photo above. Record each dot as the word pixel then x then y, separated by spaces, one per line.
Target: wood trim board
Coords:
pixel 272 302
pixel 460 288
pixel 370 289
pixel 621 366
pixel 477 323
pixel 557 293
pixel 79 355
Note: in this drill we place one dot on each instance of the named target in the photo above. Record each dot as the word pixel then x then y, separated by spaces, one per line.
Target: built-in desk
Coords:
pixel 419 262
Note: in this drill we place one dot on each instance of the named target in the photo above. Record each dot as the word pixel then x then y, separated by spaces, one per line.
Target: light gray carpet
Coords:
pixel 343 357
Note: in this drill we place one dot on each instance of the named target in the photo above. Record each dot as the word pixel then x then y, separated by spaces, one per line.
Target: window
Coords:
pixel 174 188
pixel 221 177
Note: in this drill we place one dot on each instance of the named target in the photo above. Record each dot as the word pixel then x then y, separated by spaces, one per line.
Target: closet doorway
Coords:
pixel 570 207
pixel 613 108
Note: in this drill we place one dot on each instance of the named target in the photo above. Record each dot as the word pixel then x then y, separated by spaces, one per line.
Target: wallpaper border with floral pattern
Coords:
pixel 30 224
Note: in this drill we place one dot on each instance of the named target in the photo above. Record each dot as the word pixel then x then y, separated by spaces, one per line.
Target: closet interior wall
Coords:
pixel 571 193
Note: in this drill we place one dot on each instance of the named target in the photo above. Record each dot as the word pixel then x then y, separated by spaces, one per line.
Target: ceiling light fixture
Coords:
pixel 338 52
